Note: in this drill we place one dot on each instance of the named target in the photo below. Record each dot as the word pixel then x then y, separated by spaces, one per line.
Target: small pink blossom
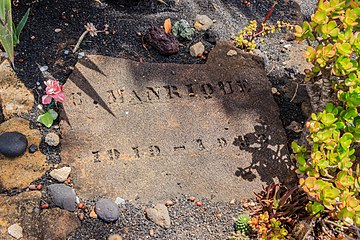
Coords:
pixel 53 91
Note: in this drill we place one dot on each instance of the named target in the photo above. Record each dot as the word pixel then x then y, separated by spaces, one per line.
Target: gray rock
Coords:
pixel 15 231
pixel 61 174
pixel 62 196
pixel 159 215
pixel 52 139
pixel 202 23
pixel 13 144
pixel 197 49
pixel 107 210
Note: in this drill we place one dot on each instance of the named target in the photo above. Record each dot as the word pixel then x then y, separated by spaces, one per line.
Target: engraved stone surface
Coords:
pixel 150 131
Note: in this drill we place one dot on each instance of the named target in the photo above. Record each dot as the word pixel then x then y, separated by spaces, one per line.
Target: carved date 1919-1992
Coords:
pixel 198 145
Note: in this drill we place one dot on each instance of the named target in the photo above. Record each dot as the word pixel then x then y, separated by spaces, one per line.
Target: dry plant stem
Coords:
pixel 79 41
pixel 356 229
pixel 296 89
pixel 326 229
pixel 313 91
pixel 343 234
pixel 335 224
pixel 325 93
pixel 267 16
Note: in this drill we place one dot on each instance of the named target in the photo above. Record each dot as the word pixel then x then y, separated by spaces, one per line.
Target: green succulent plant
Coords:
pixel 242 224
pixel 331 177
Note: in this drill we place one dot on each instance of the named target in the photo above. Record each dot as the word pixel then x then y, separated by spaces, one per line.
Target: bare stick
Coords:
pixel 296 89
pixel 79 41
pixel 335 224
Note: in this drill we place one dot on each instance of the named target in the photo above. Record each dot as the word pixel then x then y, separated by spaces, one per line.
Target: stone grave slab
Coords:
pixel 149 131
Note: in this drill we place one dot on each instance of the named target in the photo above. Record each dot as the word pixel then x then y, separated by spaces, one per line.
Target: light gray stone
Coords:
pixel 52 139
pixel 107 210
pixel 197 49
pixel 231 52
pixel 16 231
pixel 63 196
pixel 61 174
pixel 119 201
pixel 202 23
pixel 159 215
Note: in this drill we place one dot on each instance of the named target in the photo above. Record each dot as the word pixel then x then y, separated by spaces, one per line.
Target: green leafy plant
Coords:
pixel 330 181
pixel 48 118
pixel 334 45
pixel 329 169
pixel 9 33
pixel 242 224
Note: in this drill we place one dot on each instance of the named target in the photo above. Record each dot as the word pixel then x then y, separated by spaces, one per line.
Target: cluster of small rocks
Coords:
pixel 66 212
pixel 202 24
pixel 167 43
pixel 14 144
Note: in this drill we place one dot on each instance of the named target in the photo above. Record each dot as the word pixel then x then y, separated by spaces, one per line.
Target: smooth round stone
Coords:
pixel 107 210
pixel 13 144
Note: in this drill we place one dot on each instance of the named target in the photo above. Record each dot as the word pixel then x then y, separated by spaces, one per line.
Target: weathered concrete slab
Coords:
pixel 151 131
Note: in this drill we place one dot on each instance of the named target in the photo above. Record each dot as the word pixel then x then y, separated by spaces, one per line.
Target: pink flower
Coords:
pixel 53 91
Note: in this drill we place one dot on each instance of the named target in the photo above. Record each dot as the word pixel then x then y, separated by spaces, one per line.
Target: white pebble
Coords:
pixel 287 46
pixel 231 53
pixel 44 68
pixel 16 231
pixel 52 139
pixel 81 55
pixel 119 201
pixel 60 174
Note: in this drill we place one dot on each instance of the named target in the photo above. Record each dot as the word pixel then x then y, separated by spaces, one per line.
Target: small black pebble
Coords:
pixel 33 148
